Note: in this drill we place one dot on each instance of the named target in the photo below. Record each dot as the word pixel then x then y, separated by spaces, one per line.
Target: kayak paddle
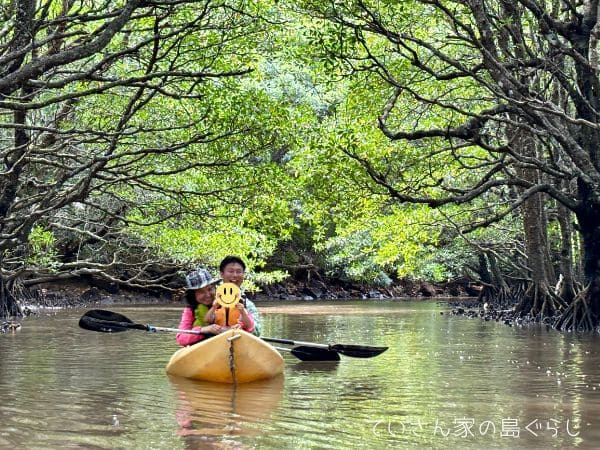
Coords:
pixel 112 322
pixel 305 353
pixel 356 351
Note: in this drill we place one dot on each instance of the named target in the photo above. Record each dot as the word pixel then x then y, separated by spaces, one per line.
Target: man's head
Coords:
pixel 232 270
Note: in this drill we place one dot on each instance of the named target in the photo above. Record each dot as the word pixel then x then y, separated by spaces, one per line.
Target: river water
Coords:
pixel 445 382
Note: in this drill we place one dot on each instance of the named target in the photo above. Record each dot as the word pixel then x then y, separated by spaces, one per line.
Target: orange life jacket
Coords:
pixel 227 316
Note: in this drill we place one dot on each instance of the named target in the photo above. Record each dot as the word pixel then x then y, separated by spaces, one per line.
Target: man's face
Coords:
pixel 233 273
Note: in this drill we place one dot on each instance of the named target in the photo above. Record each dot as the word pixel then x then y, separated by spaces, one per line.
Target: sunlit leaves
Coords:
pixel 42 250
pixel 223 127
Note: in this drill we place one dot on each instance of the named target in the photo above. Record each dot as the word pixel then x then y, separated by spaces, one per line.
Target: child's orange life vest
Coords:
pixel 227 316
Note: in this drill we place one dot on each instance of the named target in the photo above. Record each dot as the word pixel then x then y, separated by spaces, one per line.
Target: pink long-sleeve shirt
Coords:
pixel 187 323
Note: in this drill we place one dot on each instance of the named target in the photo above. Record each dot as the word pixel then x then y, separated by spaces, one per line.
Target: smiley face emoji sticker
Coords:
pixel 228 295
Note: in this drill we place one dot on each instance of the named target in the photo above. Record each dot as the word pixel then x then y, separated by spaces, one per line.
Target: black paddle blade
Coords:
pixel 358 351
pixel 110 316
pixel 305 353
pixel 107 322
pixel 92 324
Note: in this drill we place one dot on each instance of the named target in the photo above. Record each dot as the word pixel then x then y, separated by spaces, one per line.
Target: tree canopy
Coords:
pixel 493 107
pixel 372 140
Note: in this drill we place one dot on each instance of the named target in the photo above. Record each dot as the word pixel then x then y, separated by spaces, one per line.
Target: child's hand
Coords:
pixel 213 329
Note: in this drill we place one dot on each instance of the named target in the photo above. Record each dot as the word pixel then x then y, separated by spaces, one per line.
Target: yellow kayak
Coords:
pixel 232 356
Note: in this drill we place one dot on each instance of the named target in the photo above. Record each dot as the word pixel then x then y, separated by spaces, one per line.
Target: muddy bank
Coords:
pixel 84 293
pixel 487 312
pixel 75 294
pixel 337 289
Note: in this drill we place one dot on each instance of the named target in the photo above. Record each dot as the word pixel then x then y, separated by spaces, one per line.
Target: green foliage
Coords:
pixel 42 253
pixel 239 200
pixel 257 140
pixel 359 230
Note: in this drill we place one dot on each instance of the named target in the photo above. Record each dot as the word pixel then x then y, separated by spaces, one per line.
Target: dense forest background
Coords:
pixel 360 140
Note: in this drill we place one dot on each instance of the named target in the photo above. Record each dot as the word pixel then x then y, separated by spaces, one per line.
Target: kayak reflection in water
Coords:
pixel 203 312
pixel 208 413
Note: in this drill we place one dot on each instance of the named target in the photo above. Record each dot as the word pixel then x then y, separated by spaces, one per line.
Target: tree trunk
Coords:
pixel 8 304
pixel 588 218
pixel 495 288
pixel 583 314
pixel 538 301
pixel 566 287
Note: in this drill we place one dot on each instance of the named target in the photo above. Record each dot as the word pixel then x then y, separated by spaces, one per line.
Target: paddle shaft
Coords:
pixel 290 342
pixel 140 326
pixel 172 330
pixel 301 352
pixel 108 321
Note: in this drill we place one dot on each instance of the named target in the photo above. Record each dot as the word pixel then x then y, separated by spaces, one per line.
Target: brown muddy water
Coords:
pixel 445 382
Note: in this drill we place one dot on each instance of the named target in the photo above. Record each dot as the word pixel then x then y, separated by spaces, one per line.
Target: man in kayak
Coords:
pixel 232 270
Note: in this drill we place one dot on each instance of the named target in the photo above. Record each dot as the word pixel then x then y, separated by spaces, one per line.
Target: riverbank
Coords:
pixel 334 289
pixel 85 293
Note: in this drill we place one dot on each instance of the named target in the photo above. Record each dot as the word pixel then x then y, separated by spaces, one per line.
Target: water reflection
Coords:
pixel 316 366
pixel 218 413
pixel 445 382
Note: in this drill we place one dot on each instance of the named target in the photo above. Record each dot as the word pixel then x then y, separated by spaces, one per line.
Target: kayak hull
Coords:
pixel 210 360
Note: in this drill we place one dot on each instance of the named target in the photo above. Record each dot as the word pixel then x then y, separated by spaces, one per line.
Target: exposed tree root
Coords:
pixel 540 303
pixel 497 295
pixel 9 295
pixel 578 316
pixel 523 302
